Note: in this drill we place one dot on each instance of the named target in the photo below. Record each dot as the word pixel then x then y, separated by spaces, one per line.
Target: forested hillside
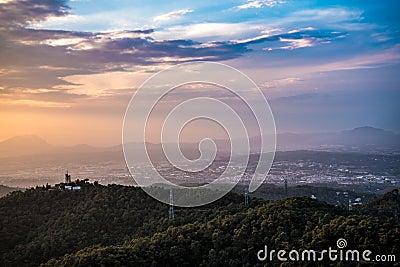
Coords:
pixel 39 224
pixel 4 190
pixel 121 226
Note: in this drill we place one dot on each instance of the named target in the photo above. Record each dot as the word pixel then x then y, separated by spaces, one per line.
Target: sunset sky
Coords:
pixel 69 68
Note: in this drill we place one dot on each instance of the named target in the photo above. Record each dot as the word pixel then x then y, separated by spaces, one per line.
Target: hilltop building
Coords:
pixel 69 185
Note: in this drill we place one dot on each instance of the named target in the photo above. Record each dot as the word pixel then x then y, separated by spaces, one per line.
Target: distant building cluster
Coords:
pixel 68 184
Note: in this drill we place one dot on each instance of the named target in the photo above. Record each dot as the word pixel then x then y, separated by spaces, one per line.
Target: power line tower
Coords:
pixel 246 198
pixel 171 205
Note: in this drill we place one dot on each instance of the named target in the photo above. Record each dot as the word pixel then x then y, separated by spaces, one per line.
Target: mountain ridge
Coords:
pixel 359 139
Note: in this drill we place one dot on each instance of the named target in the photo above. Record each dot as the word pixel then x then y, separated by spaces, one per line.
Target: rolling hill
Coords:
pixel 122 226
pixel 4 190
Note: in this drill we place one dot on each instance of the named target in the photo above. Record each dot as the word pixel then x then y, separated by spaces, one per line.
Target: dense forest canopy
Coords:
pixel 121 226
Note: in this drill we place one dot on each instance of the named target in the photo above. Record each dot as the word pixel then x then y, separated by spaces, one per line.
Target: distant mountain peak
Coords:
pixel 26 139
pixel 368 129
pixel 23 145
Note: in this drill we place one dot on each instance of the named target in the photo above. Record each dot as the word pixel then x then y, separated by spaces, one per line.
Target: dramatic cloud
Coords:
pixel 38 60
pixel 209 31
pixel 21 12
pixel 294 39
pixel 42 57
pixel 88 58
pixel 280 83
pixel 260 3
pixel 172 15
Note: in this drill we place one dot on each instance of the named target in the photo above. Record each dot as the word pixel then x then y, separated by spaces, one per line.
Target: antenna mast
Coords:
pixel 171 205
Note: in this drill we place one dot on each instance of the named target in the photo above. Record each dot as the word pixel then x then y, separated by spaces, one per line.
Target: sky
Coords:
pixel 69 68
